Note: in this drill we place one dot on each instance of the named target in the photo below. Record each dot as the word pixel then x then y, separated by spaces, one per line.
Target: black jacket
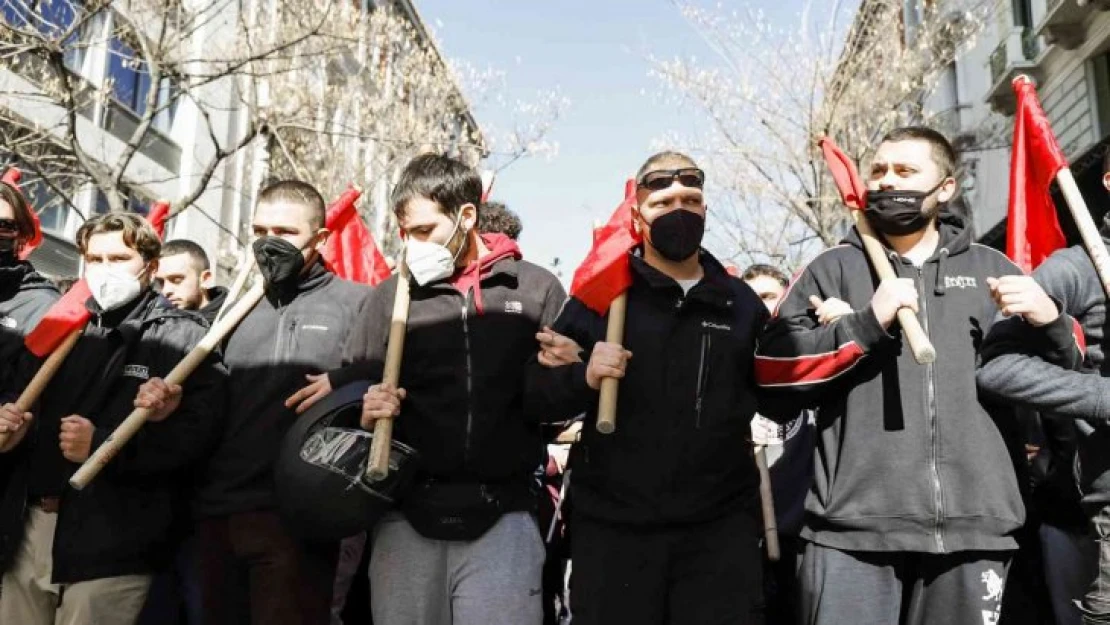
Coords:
pixel 680 453
pixel 120 523
pixel 216 297
pixel 463 370
pixel 908 458
pixel 25 295
pixel 1047 370
pixel 288 335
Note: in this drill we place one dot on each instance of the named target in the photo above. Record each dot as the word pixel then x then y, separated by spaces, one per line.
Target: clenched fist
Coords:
pixel 891 296
pixel 75 438
pixel 1022 296
pixel 11 419
pixel 608 360
pixel 160 397
pixel 381 401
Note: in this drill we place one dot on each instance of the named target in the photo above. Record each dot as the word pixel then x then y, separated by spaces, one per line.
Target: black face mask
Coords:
pixel 677 235
pixel 7 252
pixel 897 212
pixel 280 261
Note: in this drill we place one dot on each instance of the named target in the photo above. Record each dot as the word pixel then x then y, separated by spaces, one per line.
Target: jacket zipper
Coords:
pixel 703 375
pixel 469 378
pixel 934 425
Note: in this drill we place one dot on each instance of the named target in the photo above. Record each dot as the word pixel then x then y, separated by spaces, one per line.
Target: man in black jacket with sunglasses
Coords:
pixel 665 523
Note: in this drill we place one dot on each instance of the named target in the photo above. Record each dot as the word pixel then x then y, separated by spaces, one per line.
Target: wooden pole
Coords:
pixel 922 348
pixel 377 466
pixel 1088 231
pixel 767 503
pixel 614 333
pixel 131 425
pixel 246 264
pixel 42 377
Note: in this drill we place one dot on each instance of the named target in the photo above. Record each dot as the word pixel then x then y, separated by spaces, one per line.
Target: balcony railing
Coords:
pixel 1062 23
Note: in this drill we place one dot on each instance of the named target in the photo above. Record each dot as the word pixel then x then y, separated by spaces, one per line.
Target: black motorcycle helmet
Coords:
pixel 322 491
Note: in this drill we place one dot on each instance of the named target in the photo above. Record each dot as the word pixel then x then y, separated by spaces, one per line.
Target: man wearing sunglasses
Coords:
pixel 665 526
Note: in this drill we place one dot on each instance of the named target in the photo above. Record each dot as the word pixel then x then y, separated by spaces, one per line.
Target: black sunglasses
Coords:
pixel 662 178
pixel 9 224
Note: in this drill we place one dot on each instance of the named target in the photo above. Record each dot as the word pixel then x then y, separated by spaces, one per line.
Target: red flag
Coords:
pixel 852 190
pixel 1032 230
pixel 159 213
pixel 350 252
pixel 12 177
pixel 66 315
pixel 605 273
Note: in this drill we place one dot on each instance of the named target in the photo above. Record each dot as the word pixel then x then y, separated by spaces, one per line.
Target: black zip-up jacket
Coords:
pixel 681 452
pixel 289 334
pixel 908 458
pixel 121 523
pixel 464 370
pixel 25 295
pixel 217 295
pixel 1047 369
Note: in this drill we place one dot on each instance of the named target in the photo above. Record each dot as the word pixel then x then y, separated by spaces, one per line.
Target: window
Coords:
pixel 131 85
pixel 1023 13
pixel 1100 66
pixel 132 203
pixel 49 17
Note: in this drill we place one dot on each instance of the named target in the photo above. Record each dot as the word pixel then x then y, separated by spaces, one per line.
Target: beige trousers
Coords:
pixel 29 598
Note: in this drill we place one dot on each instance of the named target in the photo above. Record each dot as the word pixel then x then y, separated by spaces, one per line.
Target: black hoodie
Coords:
pixel 908 458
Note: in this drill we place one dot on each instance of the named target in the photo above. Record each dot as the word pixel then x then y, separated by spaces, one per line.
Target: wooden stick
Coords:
pixel 922 348
pixel 42 378
pixel 246 264
pixel 767 503
pixel 131 425
pixel 377 466
pixel 1088 231
pixel 614 333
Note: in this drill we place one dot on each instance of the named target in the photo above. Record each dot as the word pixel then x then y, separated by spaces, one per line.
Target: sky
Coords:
pixel 596 53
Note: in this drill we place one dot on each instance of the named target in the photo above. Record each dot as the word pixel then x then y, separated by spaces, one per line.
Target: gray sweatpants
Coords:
pixel 495 580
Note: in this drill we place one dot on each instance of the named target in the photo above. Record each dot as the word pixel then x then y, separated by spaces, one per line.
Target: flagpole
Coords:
pixel 377 465
pixel 614 333
pixel 1088 231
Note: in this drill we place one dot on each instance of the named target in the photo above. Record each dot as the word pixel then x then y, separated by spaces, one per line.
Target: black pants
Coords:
pixel 884 588
pixel 780 582
pixel 703 574
pixel 253 571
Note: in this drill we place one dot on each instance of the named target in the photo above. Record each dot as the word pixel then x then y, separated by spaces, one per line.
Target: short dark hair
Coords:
pixel 138 234
pixel 25 223
pixel 944 155
pixel 448 182
pixel 184 246
pixel 495 217
pixel 669 156
pixel 769 271
pixel 297 192
pixel 1106 160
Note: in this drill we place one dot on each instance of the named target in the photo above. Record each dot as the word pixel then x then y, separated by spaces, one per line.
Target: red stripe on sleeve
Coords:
pixel 1077 332
pixel 810 369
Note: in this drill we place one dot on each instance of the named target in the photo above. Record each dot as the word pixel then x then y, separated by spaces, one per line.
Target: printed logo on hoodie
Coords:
pixel 960 282
pixel 136 371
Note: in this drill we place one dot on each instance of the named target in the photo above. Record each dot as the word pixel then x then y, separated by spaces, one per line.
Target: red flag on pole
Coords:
pixel 605 273
pixel 845 175
pixel 12 176
pixel 66 315
pixel 1032 229
pixel 159 213
pixel 350 252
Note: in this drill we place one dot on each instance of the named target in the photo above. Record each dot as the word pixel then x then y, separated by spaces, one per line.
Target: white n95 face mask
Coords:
pixel 429 262
pixel 112 287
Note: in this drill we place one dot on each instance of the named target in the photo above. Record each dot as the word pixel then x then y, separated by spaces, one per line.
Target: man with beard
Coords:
pixel 665 526
pixel 915 499
pixel 87 557
pixel 253 570
pixel 186 278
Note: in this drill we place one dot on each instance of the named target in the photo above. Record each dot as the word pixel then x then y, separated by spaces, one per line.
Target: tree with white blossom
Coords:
pixel 851 73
